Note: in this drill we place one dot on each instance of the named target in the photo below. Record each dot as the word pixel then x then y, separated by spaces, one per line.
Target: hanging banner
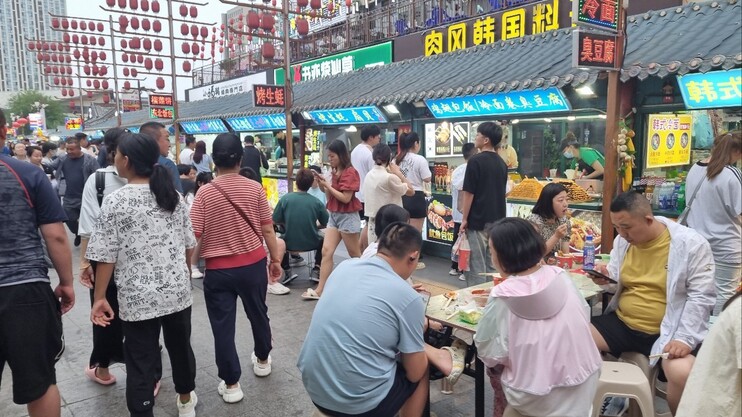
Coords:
pixel 257 123
pixel 352 115
pixel 668 140
pixel 712 90
pixel 548 100
pixel 370 56
pixel 212 126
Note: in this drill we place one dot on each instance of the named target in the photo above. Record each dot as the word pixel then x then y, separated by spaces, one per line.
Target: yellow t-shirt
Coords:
pixel 644 277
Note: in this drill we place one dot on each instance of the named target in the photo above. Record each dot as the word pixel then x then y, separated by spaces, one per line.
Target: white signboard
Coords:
pixel 226 88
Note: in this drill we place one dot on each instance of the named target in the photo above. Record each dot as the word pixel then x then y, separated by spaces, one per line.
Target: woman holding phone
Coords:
pixel 549 216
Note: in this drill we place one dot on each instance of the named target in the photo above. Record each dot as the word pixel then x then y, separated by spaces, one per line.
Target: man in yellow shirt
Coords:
pixel 665 291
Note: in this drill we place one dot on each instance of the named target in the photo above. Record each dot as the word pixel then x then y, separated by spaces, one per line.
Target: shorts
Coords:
pixel 362 212
pixel 415 205
pixel 31 339
pixel 345 222
pixel 621 338
pixel 401 391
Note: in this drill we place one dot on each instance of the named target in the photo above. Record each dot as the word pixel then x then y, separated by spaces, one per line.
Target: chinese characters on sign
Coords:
pixel 160 112
pixel 353 115
pixel 163 100
pixel 268 95
pixel 514 102
pixel 439 225
pixel 594 50
pixel 345 62
pixel 257 123
pixel 669 140
pixel 72 123
pixel 211 126
pixel 598 13
pixel 713 89
pixel 532 19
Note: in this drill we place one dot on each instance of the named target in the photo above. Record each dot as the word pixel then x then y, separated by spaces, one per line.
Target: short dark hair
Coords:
pixel 47 146
pixel 31 149
pixel 569 140
pixel 111 139
pixel 468 150
pixel 151 129
pixel 388 214
pixel 184 169
pixel 491 131
pixel 517 244
pixel 369 131
pixel 81 136
pixel 226 150
pixel 315 168
pixel 544 206
pixel 250 139
pixel 338 148
pixel 399 239
pixel 72 141
pixel 304 179
pixel 249 173
pixel 189 139
pixel 382 154
pixel 632 202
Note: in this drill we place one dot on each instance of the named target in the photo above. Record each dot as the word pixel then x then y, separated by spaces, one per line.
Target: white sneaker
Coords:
pixel 195 273
pixel 230 395
pixel 453 272
pixel 462 277
pixel 261 369
pixel 277 288
pixel 188 409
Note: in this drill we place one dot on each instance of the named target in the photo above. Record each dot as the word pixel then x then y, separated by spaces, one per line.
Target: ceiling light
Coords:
pixel 351 129
pixel 547 120
pixel 419 104
pixel 306 115
pixel 585 90
pixel 571 118
pixel 515 121
pixel 391 109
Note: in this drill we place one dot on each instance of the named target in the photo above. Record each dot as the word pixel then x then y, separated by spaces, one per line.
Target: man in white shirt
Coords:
pixel 85 145
pixel 186 155
pixel 457 184
pixel 362 160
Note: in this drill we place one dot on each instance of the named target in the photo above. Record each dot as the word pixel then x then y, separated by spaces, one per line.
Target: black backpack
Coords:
pixel 100 186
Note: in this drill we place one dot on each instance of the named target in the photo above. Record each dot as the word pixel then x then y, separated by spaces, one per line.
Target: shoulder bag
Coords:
pixel 683 218
pixel 238 210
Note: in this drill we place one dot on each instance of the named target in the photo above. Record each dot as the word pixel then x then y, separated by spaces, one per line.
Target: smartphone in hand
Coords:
pixel 595 274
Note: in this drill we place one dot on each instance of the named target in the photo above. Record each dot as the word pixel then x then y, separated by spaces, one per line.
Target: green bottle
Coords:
pixel 681 198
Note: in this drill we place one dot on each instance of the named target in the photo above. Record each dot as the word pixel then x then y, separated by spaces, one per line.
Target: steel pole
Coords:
pixel 288 96
pixel 174 79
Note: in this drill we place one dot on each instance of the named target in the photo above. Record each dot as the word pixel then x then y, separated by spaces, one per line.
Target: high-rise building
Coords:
pixel 20 20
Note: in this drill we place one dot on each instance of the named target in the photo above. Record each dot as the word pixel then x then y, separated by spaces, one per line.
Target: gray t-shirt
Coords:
pixel 75 177
pixel 715 212
pixel 367 316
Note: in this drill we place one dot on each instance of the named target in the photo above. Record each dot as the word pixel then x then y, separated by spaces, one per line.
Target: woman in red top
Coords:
pixel 343 206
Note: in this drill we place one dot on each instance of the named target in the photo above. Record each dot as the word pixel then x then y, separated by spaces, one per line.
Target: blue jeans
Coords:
pixel 727 281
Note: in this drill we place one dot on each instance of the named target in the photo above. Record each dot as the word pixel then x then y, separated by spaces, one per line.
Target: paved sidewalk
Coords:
pixel 279 395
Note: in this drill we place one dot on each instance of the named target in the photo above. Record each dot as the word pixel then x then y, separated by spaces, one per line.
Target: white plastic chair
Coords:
pixel 622 379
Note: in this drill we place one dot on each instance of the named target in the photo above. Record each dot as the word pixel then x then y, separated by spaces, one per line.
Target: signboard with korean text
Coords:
pixel 714 89
pixel 446 138
pixel 602 14
pixel 669 140
pixel 202 127
pixel 513 23
pixel 370 56
pixel 257 123
pixel 594 50
pixel 227 88
pixel 72 123
pixel 165 100
pixel 268 95
pixel 352 115
pixel 161 113
pixel 500 104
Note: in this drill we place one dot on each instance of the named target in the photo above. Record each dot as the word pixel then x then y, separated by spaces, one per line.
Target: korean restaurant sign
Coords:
pixel 370 56
pixel 547 100
pixel 352 115
pixel 713 89
pixel 211 126
pixel 594 50
pixel 669 140
pixel 514 23
pixel 268 95
pixel 602 14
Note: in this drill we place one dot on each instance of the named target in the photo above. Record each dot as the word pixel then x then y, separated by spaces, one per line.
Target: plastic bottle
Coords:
pixel 681 198
pixel 588 253
pixel 674 200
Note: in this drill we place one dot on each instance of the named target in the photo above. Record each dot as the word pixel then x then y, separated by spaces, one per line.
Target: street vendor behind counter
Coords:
pixel 587 161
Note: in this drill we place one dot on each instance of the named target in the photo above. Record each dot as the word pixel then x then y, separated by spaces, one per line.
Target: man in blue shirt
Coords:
pixel 158 132
pixel 31 338
pixel 364 352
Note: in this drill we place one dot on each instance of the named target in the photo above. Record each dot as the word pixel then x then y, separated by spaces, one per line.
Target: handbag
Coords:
pixel 683 218
pixel 238 210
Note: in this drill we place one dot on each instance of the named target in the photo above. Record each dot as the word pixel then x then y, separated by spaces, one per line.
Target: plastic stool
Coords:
pixel 619 379
pixel 511 412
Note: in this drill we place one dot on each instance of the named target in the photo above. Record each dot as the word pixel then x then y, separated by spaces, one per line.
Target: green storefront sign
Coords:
pixel 350 61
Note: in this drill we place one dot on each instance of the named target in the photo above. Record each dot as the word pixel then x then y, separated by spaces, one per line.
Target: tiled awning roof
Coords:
pixel 695 37
pixel 531 62
pixel 234 105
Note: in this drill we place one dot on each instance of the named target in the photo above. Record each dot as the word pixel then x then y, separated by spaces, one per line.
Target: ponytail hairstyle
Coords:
pixel 722 154
pixel 143 153
pixel 406 142
pixel 226 150
pixel 382 154
pixel 198 155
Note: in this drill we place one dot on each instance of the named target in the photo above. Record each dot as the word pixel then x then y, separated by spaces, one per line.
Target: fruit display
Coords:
pixel 575 192
pixel 529 188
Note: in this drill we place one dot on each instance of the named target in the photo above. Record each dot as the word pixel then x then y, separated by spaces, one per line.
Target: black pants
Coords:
pixel 142 353
pixel 317 255
pixel 108 342
pixel 221 289
pixel 73 217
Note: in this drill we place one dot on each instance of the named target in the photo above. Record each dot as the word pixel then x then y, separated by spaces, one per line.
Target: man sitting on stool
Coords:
pixel 302 215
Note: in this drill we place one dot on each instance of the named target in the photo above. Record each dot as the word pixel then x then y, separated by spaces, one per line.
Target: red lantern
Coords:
pixel 123 23
pixel 133 72
pixel 127 85
pixel 330 6
pixel 32 46
pixel 313 14
pixel 302 3
pixel 93 40
pixel 71 92
pixel 55 23
pixel 106 99
pixel 186 66
pixel 267 50
pixel 273 2
pixel 47 57
pixel 64 94
pixel 135 23
pixel 146 25
pixel 104 84
pixel 186 48
pixel 69 69
pixel 84 39
pixel 69 80
pixel 183 10
pixel 100 27
pixel 83 25
pixel 86 69
pixel 158 45
pixel 64 82
pixel 90 94
pixel 126 71
pixel 148 64
pixel 45 46
pixel 157 26
pixel 302 26
pixel 155 7
pixel 193 12
pixel 73 24
pixel 144 5
pixel 65 24
pixel 160 83
pixel 101 41
pixel 267 22
pixel 147 44
pixel 194 31
pixel 76 54
pixel 159 64
pixel 103 70
pixel 56 81
pixel 111 3
pixel 75 39
pixel 195 48
pixel 133 4
pixel 55 69
pixel 140 58
pixel 253 20
pixel 124 44
pixel 72 104
pixel 315 4
pixel 204 32
pixel 94 56
pixel 122 4
pixel 184 29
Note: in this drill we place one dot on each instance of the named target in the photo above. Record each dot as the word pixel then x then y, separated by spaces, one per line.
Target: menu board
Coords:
pixel 439 222
pixel 446 138
pixel 668 140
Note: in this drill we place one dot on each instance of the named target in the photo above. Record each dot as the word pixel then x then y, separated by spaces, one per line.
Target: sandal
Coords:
pixel 91 374
pixel 458 354
pixel 310 294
